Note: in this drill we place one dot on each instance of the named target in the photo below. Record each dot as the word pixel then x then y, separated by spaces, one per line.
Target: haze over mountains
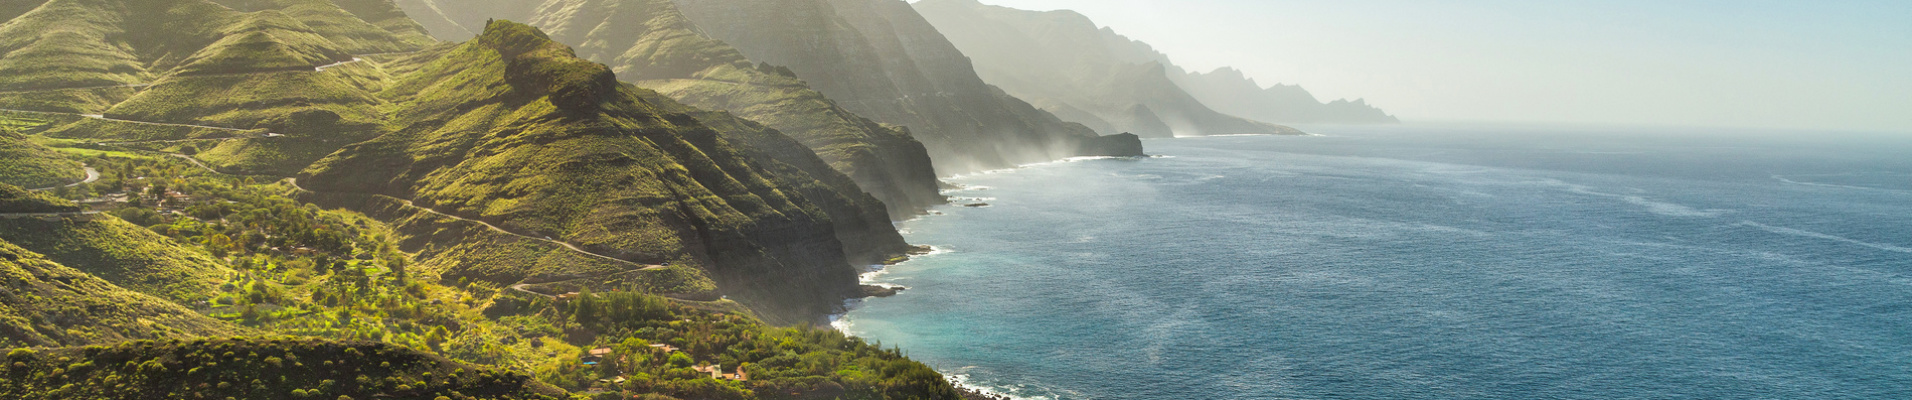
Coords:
pixel 1062 62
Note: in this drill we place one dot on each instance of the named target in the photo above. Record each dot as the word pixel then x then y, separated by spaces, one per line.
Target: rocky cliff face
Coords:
pixel 880 59
pixel 1060 61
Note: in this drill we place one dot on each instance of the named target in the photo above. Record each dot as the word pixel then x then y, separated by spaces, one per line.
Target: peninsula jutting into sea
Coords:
pixel 939 199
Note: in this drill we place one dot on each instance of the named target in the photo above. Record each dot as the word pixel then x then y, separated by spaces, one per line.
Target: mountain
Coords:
pixel 650 43
pixel 1061 62
pixel 879 59
pixel 1228 90
pixel 513 129
pixel 27 164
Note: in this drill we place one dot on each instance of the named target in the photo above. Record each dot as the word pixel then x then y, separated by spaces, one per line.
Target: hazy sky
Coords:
pixel 1784 64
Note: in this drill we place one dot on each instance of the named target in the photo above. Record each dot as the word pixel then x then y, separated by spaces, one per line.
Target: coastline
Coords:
pixel 872 275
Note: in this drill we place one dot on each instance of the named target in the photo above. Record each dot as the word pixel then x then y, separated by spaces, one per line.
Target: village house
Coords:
pixel 595 356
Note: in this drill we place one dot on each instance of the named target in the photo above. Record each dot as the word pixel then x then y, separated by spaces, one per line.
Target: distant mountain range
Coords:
pixel 1060 61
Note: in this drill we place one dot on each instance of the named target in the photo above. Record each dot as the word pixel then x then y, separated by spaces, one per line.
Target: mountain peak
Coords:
pixel 536 64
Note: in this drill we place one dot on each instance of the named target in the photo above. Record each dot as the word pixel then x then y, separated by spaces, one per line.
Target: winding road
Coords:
pixel 126 85
pixel 196 162
pixel 104 118
pixel 91 176
pixel 322 68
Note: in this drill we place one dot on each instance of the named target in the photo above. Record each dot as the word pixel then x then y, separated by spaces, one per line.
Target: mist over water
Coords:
pixel 1421 262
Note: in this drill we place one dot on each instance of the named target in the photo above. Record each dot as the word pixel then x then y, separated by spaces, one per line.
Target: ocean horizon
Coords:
pixel 1423 262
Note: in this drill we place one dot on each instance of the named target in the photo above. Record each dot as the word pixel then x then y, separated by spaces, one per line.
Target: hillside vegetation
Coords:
pixel 48 304
pixel 127 255
pixel 234 73
pixel 14 200
pixel 27 164
pixel 255 368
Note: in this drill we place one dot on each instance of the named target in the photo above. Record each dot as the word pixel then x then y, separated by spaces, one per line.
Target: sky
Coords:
pixel 1798 64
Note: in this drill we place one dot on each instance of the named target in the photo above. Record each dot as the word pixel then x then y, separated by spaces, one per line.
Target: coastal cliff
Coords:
pixel 881 60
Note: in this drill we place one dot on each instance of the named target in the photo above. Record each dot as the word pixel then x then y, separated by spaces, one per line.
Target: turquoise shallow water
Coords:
pixel 1426 263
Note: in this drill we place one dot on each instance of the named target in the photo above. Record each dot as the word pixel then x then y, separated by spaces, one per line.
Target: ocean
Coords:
pixel 1424 262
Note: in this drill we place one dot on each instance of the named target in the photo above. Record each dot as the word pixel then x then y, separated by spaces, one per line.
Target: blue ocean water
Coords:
pixel 1426 262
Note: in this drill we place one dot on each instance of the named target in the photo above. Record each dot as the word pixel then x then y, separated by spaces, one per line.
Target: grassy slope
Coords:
pixel 127 255
pixel 13 199
pixel 256 368
pixel 66 43
pixel 75 43
pixel 262 41
pixel 27 164
pixel 514 129
pixel 208 65
pixel 46 303
pixel 386 15
pixel 357 26
pixel 454 250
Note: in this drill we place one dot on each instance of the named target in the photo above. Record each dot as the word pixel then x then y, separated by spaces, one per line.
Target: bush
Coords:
pixel 20 354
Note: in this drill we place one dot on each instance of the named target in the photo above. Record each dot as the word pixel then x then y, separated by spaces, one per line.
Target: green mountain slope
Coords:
pixel 14 200
pixel 27 164
pixel 124 254
pixel 256 368
pixel 1061 61
pixel 513 129
pixel 358 26
pixel 199 63
pixel 47 304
